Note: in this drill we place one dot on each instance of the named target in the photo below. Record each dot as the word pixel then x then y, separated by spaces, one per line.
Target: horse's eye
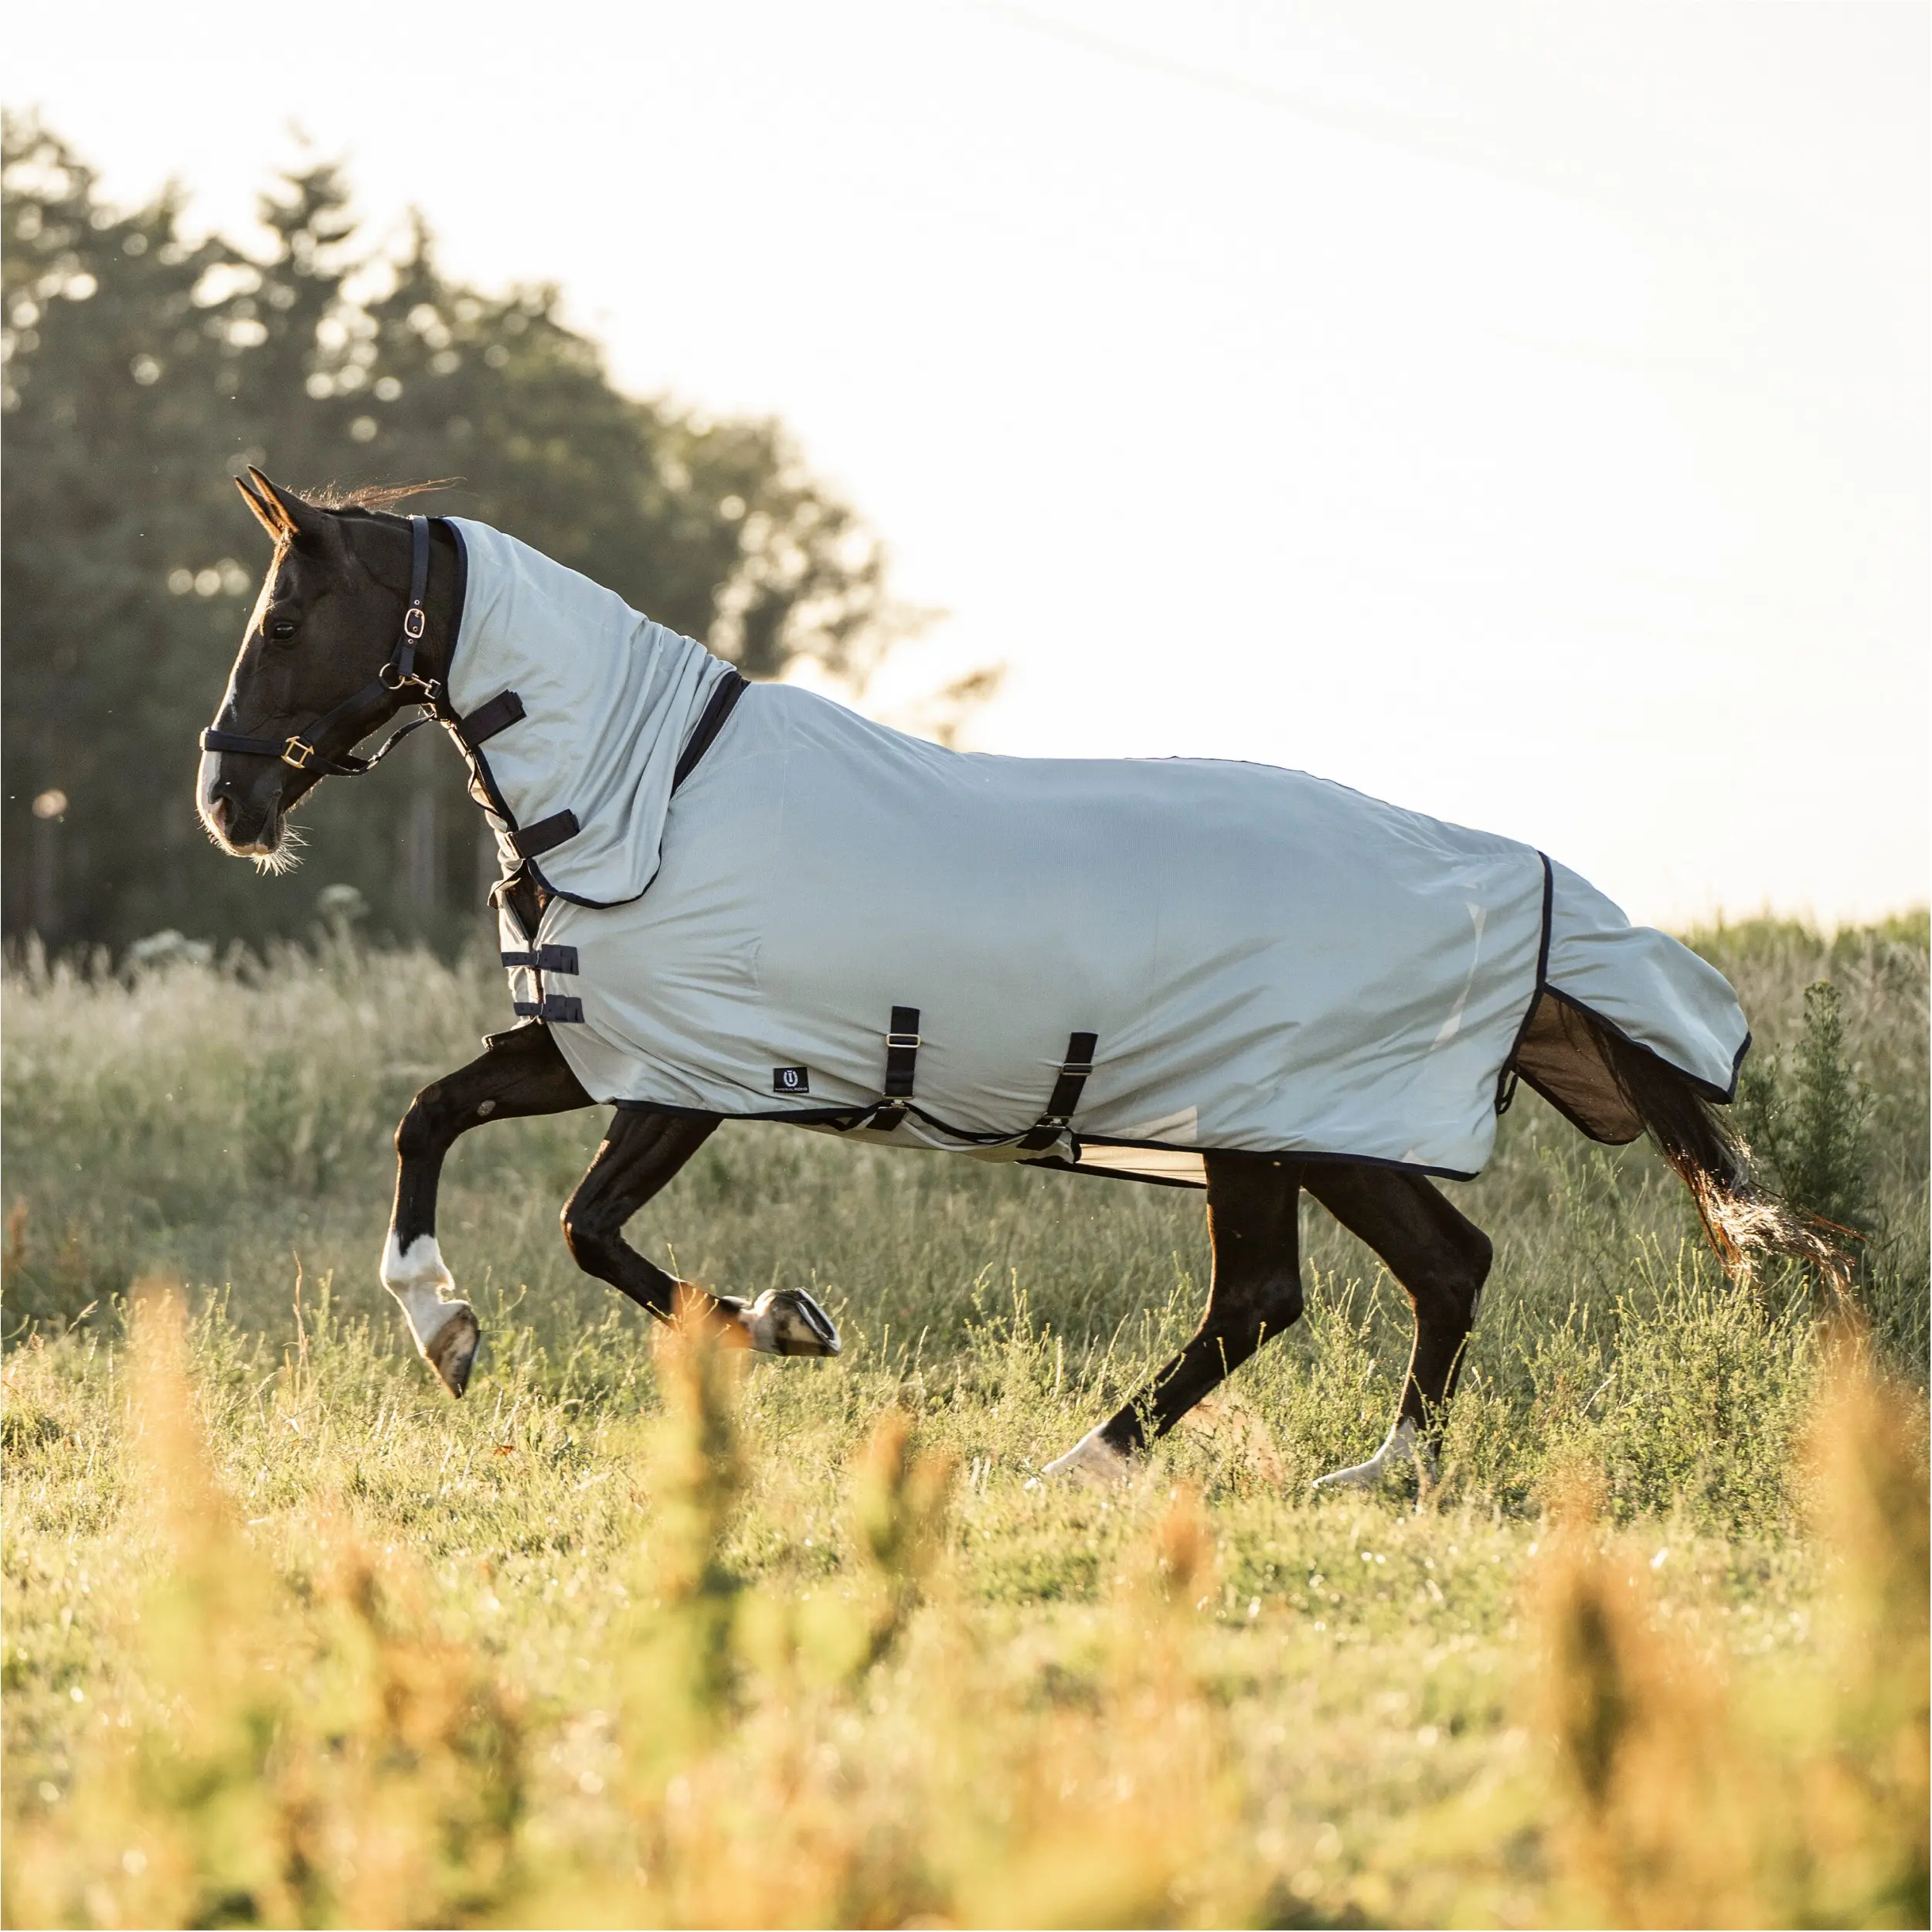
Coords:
pixel 282 629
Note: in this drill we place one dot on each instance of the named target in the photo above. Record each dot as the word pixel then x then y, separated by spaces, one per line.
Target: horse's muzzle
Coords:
pixel 244 819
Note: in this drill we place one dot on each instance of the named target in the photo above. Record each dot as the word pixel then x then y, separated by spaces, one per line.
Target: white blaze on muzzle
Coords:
pixel 205 788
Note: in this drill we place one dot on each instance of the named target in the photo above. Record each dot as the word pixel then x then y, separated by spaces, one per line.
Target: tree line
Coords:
pixel 143 367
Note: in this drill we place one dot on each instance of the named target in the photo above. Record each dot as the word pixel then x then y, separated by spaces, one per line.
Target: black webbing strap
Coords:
pixel 399 673
pixel 545 959
pixel 902 1055
pixel 1066 1096
pixel 498 714
pixel 553 1006
pixel 902 1052
pixel 545 835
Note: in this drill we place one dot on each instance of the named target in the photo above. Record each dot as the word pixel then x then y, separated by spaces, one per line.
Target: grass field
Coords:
pixel 635 1634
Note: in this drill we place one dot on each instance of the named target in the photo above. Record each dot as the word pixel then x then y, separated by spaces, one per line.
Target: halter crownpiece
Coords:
pixel 355 717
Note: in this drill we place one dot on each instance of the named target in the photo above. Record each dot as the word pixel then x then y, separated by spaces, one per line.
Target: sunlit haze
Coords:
pixel 1517 412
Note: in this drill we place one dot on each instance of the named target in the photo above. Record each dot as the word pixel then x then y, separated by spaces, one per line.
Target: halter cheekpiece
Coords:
pixel 323 747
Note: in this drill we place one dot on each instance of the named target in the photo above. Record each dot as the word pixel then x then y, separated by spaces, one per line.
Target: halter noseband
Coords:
pixel 355 717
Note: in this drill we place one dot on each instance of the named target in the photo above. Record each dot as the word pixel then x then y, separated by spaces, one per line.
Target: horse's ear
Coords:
pixel 302 523
pixel 264 513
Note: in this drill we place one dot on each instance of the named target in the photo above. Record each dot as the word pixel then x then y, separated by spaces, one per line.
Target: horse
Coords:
pixel 360 615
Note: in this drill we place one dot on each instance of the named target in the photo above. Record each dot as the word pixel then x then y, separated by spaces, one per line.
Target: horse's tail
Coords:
pixel 1743 1217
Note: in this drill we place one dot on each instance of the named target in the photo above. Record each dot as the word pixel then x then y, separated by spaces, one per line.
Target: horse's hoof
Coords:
pixel 1094 1461
pixel 451 1350
pixel 787 1322
pixel 1401 1450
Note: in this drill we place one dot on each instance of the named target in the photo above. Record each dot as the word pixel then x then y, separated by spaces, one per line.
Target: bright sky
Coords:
pixel 1517 411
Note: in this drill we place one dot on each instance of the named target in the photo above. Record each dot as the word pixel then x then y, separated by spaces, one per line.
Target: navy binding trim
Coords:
pixel 725 695
pixel 1506 1073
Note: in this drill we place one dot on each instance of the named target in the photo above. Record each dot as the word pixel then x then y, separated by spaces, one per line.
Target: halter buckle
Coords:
pixel 298 752
pixel 391 677
pixel 412 622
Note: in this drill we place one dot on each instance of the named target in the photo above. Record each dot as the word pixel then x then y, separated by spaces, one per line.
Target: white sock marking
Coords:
pixel 1092 1458
pixel 1400 1446
pixel 418 1279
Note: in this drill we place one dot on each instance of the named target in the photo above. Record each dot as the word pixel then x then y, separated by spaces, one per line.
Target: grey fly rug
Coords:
pixel 1112 963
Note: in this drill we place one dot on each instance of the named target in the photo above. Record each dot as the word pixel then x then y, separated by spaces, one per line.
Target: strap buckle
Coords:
pixel 412 622
pixel 904 1042
pixel 298 752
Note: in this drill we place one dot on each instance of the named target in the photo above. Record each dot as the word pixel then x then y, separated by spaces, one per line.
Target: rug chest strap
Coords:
pixel 545 835
pixel 545 959
pixel 1066 1096
pixel 551 1008
pixel 482 724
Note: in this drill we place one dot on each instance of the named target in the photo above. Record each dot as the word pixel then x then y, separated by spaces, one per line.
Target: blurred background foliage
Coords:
pixel 143 367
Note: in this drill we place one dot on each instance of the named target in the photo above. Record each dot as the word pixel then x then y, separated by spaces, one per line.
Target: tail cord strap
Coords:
pixel 1066 1096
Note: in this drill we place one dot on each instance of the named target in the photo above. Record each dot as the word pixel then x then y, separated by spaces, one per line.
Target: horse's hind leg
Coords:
pixel 639 1156
pixel 642 1153
pixel 519 1073
pixel 1442 1259
pixel 1256 1293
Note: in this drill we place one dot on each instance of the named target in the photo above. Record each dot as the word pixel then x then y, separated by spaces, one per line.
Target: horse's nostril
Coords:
pixel 221 810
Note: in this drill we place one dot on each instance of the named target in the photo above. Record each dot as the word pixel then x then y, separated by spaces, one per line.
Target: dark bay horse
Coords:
pixel 357 619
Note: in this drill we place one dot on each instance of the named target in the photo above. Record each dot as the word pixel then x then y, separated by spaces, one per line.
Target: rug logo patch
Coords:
pixel 790 1080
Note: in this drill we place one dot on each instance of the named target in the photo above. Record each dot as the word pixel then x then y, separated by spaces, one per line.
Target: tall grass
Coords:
pixel 1790 1798
pixel 638 1634
pixel 289 1729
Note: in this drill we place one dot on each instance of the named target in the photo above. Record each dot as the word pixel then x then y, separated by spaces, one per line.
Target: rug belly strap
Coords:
pixel 902 1056
pixel 1066 1096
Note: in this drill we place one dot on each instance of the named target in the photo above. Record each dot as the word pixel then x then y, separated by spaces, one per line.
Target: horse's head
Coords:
pixel 320 650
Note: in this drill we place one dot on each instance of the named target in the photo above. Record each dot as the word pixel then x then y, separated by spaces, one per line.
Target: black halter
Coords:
pixel 323 748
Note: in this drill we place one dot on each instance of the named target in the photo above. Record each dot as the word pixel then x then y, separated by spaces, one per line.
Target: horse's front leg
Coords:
pixel 520 1073
pixel 642 1153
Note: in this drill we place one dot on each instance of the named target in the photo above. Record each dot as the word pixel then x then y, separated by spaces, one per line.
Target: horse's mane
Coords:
pixel 373 498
